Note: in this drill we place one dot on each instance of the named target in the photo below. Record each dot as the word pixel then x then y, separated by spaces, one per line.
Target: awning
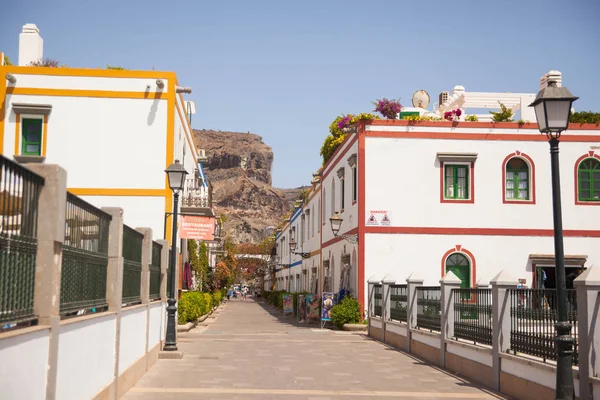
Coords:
pixel 549 259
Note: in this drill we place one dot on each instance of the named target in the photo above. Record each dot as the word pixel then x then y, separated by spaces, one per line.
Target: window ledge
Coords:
pixel 30 159
pixel 460 157
pixel 36 109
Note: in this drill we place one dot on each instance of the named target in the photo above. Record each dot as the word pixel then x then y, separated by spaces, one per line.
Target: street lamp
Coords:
pixel 552 107
pixel 176 176
pixel 292 248
pixel 336 224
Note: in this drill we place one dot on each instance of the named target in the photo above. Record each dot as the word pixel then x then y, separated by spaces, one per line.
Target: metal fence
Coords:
pixel 377 296
pixel 473 315
pixel 19 198
pixel 399 302
pixel 533 313
pixel 155 271
pixel 429 310
pixel 84 257
pixel 132 265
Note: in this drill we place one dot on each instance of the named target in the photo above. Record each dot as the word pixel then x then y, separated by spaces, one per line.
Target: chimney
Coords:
pixel 555 76
pixel 31 45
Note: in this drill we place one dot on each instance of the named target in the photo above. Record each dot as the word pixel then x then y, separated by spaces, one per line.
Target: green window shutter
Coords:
pixel 456 185
pixel 588 180
pixel 517 179
pixel 31 137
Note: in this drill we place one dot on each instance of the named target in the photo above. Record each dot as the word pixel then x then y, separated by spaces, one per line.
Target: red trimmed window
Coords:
pixel 457 182
pixel 518 179
pixel 588 180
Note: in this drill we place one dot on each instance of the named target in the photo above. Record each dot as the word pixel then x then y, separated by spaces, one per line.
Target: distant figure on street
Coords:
pixel 229 293
pixel 244 291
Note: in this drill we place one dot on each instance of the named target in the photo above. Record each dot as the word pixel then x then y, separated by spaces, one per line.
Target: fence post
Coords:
pixel 588 302
pixel 164 265
pixel 146 260
pixel 412 282
pixel 386 290
pixel 374 280
pixel 447 283
pixel 52 207
pixel 114 278
pixel 501 284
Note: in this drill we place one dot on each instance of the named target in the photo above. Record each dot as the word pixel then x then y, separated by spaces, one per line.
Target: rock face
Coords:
pixel 239 168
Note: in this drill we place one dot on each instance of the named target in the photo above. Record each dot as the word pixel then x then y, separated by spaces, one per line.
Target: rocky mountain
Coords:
pixel 239 168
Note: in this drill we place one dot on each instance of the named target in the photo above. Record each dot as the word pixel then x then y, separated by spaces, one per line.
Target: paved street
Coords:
pixel 250 351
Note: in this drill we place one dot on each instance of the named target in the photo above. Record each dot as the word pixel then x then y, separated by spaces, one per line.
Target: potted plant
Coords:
pixel 453 115
pixel 388 108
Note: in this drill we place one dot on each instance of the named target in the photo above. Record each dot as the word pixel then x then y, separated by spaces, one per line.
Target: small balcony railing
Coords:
pixel 196 195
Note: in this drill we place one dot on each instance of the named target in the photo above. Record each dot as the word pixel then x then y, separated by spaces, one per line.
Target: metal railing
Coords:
pixel 84 257
pixel 132 265
pixel 533 313
pixel 473 315
pixel 19 197
pixel 429 307
pixel 377 296
pixel 155 271
pixel 399 302
pixel 195 194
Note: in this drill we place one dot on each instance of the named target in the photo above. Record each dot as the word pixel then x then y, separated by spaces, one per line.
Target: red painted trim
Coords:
pixel 466 124
pixel 471 199
pixel 459 249
pixel 590 154
pixel 338 238
pixel 481 136
pixel 531 182
pixel 417 230
pixel 338 154
pixel 361 215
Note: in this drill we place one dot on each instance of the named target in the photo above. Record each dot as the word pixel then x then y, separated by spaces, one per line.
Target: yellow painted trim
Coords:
pixel 90 73
pixel 17 134
pixel 2 107
pixel 108 94
pixel 118 192
pixel 45 135
pixel 169 156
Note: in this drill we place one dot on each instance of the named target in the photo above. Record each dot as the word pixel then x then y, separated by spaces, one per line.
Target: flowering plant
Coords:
pixel 346 121
pixel 388 108
pixel 453 115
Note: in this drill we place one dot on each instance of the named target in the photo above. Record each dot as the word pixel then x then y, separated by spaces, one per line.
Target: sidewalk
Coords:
pixel 250 351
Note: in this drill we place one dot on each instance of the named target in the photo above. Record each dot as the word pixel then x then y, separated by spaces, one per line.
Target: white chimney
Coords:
pixel 555 76
pixel 31 45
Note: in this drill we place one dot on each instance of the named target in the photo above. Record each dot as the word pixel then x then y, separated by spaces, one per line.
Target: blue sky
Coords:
pixel 286 69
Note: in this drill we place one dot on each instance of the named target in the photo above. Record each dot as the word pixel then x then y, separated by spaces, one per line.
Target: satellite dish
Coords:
pixel 420 99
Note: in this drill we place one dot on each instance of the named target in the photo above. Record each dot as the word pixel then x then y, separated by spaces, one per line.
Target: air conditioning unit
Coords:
pixel 444 96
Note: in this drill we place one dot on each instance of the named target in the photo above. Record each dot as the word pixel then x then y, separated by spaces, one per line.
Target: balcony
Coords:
pixel 197 197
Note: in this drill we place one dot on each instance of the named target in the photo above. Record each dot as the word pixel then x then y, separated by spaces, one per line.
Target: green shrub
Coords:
pixel 216 299
pixel 347 312
pixel 191 306
pixel 207 302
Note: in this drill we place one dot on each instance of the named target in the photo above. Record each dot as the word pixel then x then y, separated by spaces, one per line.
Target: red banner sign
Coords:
pixel 198 228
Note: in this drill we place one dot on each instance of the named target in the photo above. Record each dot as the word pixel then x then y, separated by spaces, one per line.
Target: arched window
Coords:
pixel 517 179
pixel 459 264
pixel 588 180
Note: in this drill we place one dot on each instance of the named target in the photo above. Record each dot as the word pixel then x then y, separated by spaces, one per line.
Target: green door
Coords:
pixel 459 265
pixel 31 137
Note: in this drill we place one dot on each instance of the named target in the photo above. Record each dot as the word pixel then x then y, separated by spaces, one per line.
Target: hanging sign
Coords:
pixel 198 228
pixel 379 218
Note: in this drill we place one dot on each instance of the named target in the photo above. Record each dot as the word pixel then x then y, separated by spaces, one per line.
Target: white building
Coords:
pixel 471 197
pixel 114 131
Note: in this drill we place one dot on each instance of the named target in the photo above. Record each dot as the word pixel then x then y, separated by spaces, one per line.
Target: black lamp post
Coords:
pixel 292 248
pixel 552 107
pixel 176 175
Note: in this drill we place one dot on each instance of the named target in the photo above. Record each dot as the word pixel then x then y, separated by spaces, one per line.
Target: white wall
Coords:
pixel 24 365
pixel 132 345
pixel 155 324
pixel 102 143
pixel 403 176
pixel 87 83
pixel 404 254
pixel 138 212
pixel 86 357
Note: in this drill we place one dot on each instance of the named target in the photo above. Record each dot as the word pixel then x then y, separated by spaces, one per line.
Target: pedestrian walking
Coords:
pixel 229 293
